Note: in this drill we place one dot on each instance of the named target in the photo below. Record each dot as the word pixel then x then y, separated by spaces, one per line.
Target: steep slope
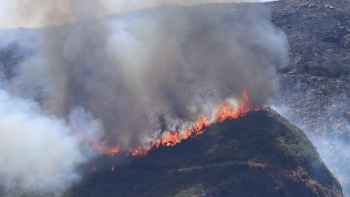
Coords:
pixel 260 154
pixel 319 36
pixel 315 85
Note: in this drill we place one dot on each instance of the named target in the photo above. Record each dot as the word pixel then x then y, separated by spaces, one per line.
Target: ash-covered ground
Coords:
pixel 315 84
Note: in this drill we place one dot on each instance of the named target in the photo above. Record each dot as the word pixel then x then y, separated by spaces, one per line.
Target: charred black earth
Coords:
pixel 315 84
pixel 260 154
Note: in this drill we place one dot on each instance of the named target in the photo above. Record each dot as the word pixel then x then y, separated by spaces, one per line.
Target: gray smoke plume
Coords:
pixel 135 71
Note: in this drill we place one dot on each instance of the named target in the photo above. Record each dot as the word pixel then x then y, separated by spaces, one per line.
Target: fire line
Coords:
pixel 223 113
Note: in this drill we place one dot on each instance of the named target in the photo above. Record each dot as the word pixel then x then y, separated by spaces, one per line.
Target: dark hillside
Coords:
pixel 315 89
pixel 319 37
pixel 316 83
pixel 260 154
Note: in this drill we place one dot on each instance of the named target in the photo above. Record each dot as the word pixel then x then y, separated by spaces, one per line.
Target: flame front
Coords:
pixel 102 150
pixel 223 113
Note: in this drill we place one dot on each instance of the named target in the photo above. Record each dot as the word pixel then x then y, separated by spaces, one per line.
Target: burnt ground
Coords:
pixel 315 85
pixel 317 78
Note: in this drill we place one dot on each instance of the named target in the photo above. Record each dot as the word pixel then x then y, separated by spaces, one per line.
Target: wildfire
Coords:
pixel 139 151
pixel 112 150
pixel 103 150
pixel 223 113
pixel 96 146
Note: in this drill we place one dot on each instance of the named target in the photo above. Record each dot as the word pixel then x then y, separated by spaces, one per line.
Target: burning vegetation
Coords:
pixel 254 141
pixel 107 82
pixel 171 138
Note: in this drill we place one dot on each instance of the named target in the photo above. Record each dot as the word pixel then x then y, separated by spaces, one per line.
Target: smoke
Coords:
pixel 123 80
pixel 37 152
pixel 329 134
pixel 40 13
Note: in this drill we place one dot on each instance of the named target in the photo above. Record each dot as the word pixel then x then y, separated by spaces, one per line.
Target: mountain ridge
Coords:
pixel 307 78
pixel 260 154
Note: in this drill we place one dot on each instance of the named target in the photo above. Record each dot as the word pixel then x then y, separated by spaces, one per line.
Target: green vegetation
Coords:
pixel 258 154
pixel 191 191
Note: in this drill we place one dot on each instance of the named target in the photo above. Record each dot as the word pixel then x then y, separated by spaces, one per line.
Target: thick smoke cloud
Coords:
pixel 38 153
pixel 137 74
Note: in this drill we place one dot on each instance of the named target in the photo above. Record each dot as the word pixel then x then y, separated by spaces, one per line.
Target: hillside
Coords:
pixel 314 90
pixel 319 37
pixel 260 154
pixel 315 85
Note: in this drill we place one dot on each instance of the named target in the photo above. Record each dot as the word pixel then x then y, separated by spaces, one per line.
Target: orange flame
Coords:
pixel 96 146
pixel 223 113
pixel 112 150
pixel 112 169
pixel 103 150
pixel 139 151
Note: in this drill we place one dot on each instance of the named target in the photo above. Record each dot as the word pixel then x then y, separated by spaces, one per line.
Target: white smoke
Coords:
pixel 38 153
pixel 125 72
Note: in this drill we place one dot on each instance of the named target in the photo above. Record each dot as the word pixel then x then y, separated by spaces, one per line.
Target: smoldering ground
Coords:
pixel 123 73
